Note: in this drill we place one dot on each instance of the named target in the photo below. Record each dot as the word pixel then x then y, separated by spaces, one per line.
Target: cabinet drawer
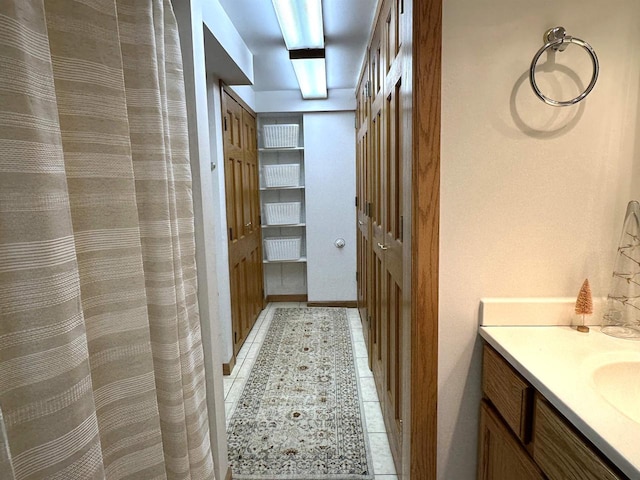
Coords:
pixel 508 392
pixel 561 453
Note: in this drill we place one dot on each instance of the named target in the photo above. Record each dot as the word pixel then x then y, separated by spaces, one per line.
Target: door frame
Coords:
pixel 422 110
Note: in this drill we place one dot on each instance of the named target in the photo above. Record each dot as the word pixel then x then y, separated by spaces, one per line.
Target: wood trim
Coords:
pixel 426 18
pixel 349 304
pixel 236 97
pixel 286 298
pixel 229 474
pixel 227 368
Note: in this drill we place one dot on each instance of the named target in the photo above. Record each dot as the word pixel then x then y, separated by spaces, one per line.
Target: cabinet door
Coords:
pixel 501 456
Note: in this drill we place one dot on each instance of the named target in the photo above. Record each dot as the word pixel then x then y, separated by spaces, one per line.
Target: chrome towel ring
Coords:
pixel 557 39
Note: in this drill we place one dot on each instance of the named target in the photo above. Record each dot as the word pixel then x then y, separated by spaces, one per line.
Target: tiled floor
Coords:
pixel 374 425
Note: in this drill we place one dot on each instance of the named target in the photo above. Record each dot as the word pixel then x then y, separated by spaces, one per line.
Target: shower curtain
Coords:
pixel 101 363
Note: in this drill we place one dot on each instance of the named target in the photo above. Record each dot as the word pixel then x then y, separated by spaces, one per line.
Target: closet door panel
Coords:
pixel 243 222
pixel 362 200
pixel 381 167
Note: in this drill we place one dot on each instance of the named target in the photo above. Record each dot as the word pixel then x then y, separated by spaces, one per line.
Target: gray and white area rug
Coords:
pixel 300 416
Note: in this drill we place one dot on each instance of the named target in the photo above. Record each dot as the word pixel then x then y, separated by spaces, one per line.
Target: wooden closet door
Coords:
pixel 375 210
pixel 362 201
pixel 387 219
pixel 392 231
pixel 400 169
pixel 252 231
pixel 243 223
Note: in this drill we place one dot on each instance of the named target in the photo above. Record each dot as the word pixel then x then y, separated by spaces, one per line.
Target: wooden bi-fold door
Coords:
pixel 381 164
pixel 243 217
pixel 362 207
pixel 398 173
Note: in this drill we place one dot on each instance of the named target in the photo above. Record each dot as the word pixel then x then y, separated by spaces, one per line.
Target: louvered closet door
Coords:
pixel 243 224
pixel 387 221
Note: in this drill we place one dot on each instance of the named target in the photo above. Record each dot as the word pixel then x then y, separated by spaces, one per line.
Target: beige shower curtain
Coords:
pixel 101 364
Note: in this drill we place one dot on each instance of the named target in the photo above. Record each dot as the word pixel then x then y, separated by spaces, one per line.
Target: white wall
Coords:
pixel 189 17
pixel 532 196
pixel 219 212
pixel 217 23
pixel 246 93
pixel 227 38
pixel 329 166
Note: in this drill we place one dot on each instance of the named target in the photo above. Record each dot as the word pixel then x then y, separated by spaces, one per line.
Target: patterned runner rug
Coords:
pixel 300 416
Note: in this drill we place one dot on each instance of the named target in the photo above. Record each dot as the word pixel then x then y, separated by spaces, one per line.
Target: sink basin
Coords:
pixel 619 384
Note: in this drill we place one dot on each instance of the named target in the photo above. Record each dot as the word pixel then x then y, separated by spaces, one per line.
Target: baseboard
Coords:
pixel 348 304
pixel 229 474
pixel 227 368
pixel 286 298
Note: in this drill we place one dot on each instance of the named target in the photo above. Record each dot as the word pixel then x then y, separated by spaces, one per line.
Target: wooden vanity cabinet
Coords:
pixel 502 456
pixel 505 422
pixel 523 437
pixel 560 450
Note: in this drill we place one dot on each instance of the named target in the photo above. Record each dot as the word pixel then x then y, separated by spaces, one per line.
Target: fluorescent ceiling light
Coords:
pixel 300 22
pixel 312 76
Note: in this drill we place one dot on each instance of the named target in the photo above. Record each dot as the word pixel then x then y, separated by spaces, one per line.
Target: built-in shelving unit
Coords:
pixel 299 260
pixel 285 226
pixel 299 187
pixel 286 275
pixel 287 149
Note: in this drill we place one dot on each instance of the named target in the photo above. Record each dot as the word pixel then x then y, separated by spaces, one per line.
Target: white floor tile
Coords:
pixel 382 460
pixel 243 351
pixel 368 390
pixel 360 349
pixel 245 368
pixel 373 416
pixel 357 327
pixel 253 350
pixel 386 477
pixel 357 336
pixel 362 366
pixel 287 305
pixel 229 408
pixel 236 390
pixel 227 383
pixel 260 335
pixel 354 322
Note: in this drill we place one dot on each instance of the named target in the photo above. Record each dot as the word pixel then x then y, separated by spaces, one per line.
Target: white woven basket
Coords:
pixel 285 175
pixel 282 248
pixel 280 136
pixel 283 213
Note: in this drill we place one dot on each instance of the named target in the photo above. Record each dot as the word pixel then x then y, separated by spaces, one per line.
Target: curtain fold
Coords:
pixel 101 364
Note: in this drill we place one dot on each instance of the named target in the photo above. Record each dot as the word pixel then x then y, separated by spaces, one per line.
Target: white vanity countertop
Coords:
pixel 558 361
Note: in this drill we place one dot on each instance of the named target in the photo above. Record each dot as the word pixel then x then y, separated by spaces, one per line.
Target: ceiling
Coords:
pixel 347 24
